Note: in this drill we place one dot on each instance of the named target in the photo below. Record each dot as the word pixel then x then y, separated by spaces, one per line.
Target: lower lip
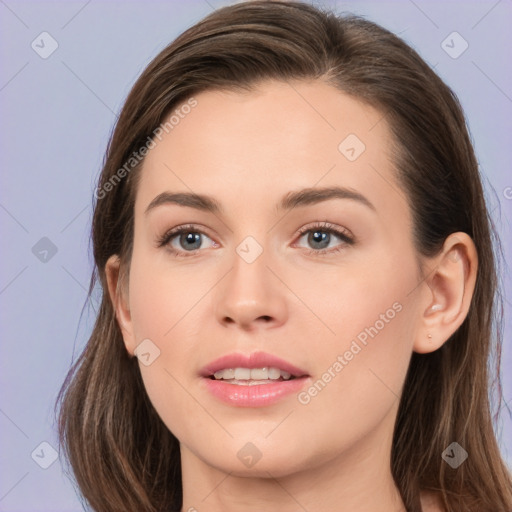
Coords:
pixel 258 395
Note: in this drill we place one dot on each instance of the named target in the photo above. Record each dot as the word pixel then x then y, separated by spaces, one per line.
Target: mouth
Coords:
pixel 253 380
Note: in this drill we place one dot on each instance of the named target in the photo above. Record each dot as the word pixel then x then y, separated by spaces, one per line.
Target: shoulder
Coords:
pixel 431 502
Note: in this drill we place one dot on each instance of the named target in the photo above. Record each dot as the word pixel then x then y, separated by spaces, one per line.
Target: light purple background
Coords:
pixel 57 114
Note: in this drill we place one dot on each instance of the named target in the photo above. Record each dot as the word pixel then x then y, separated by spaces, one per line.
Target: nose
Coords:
pixel 251 296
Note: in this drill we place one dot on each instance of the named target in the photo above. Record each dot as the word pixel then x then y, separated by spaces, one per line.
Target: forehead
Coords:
pixel 258 145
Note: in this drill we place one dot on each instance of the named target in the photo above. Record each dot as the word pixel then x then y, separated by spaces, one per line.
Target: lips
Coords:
pixel 249 392
pixel 254 360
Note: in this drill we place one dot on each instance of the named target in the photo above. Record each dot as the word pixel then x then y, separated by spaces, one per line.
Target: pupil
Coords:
pixel 190 238
pixel 320 237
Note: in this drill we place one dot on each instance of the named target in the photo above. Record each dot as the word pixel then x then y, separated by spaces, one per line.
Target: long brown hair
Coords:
pixel 122 455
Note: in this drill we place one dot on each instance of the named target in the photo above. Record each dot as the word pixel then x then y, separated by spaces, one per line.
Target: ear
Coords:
pixel 118 291
pixel 446 292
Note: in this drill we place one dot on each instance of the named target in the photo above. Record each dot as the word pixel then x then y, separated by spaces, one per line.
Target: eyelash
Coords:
pixel 325 227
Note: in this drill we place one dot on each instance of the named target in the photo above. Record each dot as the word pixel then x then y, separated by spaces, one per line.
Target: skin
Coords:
pixel 248 151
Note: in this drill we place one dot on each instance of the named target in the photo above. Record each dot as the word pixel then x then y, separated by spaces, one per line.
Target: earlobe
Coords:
pixel 117 290
pixel 447 292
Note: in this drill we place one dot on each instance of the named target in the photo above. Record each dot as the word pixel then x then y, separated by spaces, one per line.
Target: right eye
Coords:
pixel 183 240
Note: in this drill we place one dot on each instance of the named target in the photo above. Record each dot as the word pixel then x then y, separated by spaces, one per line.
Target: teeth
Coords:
pixel 274 373
pixel 228 374
pixel 254 374
pixel 259 373
pixel 242 374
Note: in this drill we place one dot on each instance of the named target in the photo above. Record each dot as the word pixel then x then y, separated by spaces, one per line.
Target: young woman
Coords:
pixel 299 282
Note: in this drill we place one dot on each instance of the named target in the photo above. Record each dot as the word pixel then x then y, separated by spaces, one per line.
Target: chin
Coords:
pixel 257 458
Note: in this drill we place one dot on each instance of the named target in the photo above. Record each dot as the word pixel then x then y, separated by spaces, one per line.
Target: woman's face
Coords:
pixel 266 272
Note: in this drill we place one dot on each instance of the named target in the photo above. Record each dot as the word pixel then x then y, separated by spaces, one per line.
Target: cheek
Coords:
pixel 359 377
pixel 161 298
pixel 164 305
pixel 362 367
pixel 369 302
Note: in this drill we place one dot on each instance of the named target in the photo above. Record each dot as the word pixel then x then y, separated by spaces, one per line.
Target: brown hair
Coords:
pixel 122 455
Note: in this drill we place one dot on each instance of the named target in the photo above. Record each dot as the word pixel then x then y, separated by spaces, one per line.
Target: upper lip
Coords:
pixel 253 360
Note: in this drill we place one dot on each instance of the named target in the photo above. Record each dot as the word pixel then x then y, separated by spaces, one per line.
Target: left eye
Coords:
pixel 319 237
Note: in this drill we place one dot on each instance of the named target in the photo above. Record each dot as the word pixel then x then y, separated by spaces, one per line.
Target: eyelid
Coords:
pixel 328 227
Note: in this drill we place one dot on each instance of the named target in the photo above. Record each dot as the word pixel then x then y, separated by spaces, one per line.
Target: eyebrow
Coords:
pixel 294 199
